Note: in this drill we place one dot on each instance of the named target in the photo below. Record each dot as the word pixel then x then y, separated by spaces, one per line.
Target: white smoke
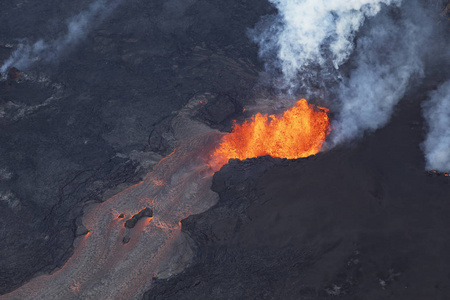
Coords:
pixel 308 33
pixel 77 28
pixel 437 143
pixel 307 43
pixel 386 59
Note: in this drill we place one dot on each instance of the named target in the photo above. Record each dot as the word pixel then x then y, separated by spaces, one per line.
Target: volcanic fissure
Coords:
pixel 299 132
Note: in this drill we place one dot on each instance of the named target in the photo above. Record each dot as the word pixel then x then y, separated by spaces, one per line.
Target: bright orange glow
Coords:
pixel 158 182
pixel 299 132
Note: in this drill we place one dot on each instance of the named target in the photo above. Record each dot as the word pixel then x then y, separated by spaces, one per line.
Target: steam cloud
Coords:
pixel 386 58
pixel 308 33
pixel 437 143
pixel 307 43
pixel 77 28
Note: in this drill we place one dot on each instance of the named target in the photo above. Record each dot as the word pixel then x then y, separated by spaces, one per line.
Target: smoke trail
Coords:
pixel 311 34
pixel 77 28
pixel 437 143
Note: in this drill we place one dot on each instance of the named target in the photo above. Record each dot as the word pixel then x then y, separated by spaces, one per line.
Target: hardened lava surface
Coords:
pixel 364 221
pixel 77 130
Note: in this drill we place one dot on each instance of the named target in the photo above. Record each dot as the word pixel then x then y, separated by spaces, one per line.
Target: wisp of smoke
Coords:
pixel 77 28
pixel 436 146
pixel 310 34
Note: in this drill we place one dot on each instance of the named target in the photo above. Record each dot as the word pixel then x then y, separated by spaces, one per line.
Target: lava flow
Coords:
pixel 116 259
pixel 299 132
pixel 121 254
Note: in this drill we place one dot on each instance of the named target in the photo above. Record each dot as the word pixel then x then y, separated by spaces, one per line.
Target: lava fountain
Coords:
pixel 299 132
pixel 103 266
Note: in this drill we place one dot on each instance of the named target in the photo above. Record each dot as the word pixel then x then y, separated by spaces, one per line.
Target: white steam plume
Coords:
pixel 306 44
pixel 308 33
pixel 437 143
pixel 386 59
pixel 77 28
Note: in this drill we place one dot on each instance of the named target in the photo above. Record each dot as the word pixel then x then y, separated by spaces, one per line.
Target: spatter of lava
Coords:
pixel 299 132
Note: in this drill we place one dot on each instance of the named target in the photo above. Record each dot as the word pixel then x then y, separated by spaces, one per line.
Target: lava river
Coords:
pixel 103 267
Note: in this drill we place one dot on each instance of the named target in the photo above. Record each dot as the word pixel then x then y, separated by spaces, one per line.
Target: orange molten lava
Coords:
pixel 299 132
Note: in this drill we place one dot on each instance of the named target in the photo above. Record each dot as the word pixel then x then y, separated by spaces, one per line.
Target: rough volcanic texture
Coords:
pixel 77 130
pixel 221 111
pixel 359 222
pixel 145 213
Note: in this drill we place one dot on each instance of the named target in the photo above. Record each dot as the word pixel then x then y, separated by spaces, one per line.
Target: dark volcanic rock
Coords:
pixel 81 229
pixel 162 139
pixel 360 222
pixel 126 239
pixel 69 131
pixel 15 74
pixel 145 213
pixel 76 130
pixel 219 110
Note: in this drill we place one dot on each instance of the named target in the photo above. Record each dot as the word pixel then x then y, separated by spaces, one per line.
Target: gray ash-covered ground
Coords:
pixel 77 130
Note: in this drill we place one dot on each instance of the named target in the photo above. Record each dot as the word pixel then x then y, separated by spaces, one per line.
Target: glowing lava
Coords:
pixel 299 132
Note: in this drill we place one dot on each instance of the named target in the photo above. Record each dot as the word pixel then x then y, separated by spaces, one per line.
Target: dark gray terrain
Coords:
pixel 77 130
pixel 358 222
pixel 363 221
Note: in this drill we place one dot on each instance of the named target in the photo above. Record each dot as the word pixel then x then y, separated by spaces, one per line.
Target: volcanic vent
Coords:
pixel 298 132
